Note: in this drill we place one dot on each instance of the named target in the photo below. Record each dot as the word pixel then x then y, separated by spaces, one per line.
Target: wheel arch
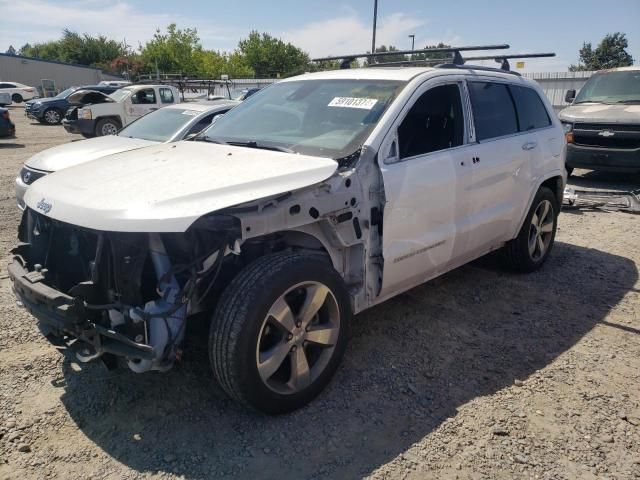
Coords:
pixel 555 182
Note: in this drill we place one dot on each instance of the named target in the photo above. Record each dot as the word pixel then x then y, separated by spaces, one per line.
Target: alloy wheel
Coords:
pixel 52 116
pixel 541 230
pixel 298 337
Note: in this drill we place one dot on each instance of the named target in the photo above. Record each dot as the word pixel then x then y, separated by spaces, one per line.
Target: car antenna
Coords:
pixel 345 60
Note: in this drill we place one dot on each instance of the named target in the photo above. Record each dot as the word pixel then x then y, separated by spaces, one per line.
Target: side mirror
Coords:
pixel 570 96
pixel 191 136
pixel 215 118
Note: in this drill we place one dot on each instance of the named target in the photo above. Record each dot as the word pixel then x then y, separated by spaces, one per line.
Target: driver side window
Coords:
pixel 144 97
pixel 435 122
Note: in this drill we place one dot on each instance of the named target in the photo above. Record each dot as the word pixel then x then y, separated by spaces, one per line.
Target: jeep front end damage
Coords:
pixel 117 294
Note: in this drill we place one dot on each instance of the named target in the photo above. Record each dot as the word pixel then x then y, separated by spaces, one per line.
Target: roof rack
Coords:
pixel 503 60
pixel 457 57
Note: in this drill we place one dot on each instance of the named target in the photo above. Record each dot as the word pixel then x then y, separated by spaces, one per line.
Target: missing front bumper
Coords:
pixel 64 317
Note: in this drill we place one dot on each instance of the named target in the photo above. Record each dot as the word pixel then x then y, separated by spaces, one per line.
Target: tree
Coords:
pixel 11 50
pixel 174 51
pixel 75 48
pixel 271 57
pixel 387 58
pixel 610 53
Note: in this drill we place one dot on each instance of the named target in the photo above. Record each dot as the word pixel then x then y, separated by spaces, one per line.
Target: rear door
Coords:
pixel 426 161
pixel 500 167
pixel 543 143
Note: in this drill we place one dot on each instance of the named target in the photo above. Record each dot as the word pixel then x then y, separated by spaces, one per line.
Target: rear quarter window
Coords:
pixel 532 113
pixel 494 113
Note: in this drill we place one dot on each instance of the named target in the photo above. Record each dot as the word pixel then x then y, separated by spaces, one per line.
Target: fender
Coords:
pixel 557 174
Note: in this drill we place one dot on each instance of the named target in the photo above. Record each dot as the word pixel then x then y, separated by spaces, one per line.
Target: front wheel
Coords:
pixel 107 126
pixel 16 98
pixel 530 249
pixel 280 331
pixel 52 116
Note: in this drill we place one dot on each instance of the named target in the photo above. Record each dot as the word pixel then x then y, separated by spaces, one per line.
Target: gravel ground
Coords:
pixel 478 374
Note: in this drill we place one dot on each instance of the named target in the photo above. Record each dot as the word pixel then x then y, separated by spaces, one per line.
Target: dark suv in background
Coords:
pixel 51 111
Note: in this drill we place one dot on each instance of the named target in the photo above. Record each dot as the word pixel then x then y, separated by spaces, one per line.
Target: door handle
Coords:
pixel 529 145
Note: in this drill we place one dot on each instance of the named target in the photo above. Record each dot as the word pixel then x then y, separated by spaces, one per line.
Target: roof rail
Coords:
pixel 457 57
pixel 477 67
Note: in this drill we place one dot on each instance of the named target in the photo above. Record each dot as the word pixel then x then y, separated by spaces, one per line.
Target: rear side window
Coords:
pixel 493 110
pixel 531 111
pixel 166 95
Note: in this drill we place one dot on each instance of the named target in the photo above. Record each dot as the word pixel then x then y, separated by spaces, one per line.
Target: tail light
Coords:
pixel 5 115
pixel 30 90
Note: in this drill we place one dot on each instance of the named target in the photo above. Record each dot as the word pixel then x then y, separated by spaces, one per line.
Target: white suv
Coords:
pixel 316 198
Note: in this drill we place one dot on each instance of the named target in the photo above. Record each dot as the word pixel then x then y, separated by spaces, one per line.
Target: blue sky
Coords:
pixel 338 26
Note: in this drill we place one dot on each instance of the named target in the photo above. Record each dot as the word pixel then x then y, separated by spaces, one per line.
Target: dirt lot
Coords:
pixel 478 374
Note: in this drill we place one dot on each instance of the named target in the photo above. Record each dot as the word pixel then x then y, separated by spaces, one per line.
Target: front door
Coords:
pixel 140 103
pixel 424 173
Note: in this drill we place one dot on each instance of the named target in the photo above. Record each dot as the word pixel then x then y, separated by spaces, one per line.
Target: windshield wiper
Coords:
pixel 629 101
pixel 204 138
pixel 254 144
pixel 591 101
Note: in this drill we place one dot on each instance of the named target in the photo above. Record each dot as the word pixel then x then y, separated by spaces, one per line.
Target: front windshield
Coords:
pixel 159 126
pixel 611 87
pixel 326 118
pixel 67 92
pixel 120 95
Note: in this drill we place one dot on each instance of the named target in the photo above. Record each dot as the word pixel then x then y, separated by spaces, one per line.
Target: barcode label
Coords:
pixel 351 102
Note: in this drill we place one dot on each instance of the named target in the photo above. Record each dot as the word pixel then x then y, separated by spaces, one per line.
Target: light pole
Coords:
pixel 375 18
pixel 413 41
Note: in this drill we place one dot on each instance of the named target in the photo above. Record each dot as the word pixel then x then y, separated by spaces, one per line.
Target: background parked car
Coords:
pixel 602 125
pixel 19 92
pixel 7 128
pixel 120 109
pixel 243 93
pixel 170 124
pixel 5 99
pixel 52 110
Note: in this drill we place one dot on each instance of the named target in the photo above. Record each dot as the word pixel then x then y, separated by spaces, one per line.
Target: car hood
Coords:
pixel 46 101
pixel 600 113
pixel 75 153
pixel 165 188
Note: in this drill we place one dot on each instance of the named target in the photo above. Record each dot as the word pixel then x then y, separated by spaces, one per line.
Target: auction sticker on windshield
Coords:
pixel 352 102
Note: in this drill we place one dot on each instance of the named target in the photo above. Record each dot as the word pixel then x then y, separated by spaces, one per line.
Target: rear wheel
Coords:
pixel 16 98
pixel 569 171
pixel 530 249
pixel 52 116
pixel 279 331
pixel 107 126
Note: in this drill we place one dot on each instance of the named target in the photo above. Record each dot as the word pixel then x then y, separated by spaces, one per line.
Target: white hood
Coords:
pixel 75 153
pixel 165 188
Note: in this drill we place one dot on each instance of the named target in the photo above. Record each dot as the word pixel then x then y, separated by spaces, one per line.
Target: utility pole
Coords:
pixel 375 18
pixel 413 41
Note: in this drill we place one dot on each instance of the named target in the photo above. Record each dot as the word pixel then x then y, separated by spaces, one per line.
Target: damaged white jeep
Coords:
pixel 317 198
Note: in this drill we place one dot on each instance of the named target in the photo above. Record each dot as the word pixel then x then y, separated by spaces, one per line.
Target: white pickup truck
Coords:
pixel 119 109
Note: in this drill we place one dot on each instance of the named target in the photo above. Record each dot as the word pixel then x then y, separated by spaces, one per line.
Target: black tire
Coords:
pixel 107 124
pixel 16 98
pixel 52 116
pixel 517 252
pixel 238 322
pixel 569 171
